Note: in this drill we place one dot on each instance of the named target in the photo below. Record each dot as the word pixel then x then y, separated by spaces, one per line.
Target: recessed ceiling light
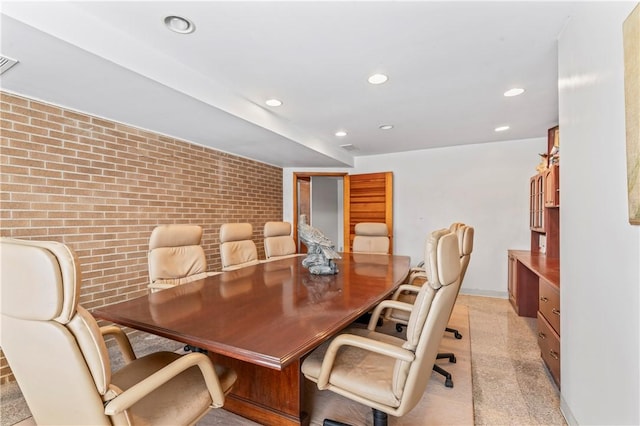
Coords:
pixel 514 92
pixel 386 127
pixel 273 102
pixel 341 133
pixel 501 128
pixel 378 79
pixel 179 24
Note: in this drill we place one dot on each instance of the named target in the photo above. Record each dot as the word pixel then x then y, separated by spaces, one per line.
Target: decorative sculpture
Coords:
pixel 320 250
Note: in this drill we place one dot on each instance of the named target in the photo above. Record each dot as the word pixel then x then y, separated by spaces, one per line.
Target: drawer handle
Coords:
pixel 553 354
pixel 544 299
pixel 555 311
pixel 542 335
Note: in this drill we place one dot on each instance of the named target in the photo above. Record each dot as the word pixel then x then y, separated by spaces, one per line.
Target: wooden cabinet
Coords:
pixel 549 342
pixel 552 186
pixel 537 202
pixel 549 303
pixel 534 276
pixel 512 279
pixel 526 269
pixel 549 327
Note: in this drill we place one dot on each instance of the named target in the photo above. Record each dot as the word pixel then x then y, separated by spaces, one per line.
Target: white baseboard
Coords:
pixel 566 412
pixel 486 293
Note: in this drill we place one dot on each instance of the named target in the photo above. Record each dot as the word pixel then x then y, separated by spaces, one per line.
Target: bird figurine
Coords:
pixel 320 250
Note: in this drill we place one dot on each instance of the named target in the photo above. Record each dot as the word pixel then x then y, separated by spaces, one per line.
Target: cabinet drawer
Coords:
pixel 549 303
pixel 549 343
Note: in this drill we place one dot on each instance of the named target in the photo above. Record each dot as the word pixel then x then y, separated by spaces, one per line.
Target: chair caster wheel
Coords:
pixel 457 335
pixel 453 359
pixel 448 383
pixel 398 328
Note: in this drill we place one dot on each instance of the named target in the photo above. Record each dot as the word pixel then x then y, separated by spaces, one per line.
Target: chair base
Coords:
pixel 189 348
pixel 379 419
pixel 328 422
pixel 448 381
pixel 455 332
pixel 364 319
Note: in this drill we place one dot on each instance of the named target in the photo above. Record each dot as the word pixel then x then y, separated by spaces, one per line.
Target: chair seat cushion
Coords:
pixel 182 400
pixel 358 371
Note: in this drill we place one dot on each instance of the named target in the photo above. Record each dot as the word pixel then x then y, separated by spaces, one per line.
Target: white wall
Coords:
pixel 484 185
pixel 600 251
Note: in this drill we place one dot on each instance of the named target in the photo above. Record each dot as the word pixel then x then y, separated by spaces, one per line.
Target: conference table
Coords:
pixel 261 320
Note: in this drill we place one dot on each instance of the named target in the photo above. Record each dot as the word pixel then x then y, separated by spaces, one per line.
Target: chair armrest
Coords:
pixel 121 339
pixel 141 389
pixel 159 286
pixel 371 345
pixel 404 288
pixel 416 275
pixel 389 305
pixel 418 268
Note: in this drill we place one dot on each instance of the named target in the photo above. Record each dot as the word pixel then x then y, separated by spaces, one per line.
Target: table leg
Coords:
pixel 264 395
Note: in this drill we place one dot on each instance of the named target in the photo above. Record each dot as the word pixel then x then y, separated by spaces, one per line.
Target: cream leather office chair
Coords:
pixel 416 274
pixel 385 372
pixel 237 249
pixel 278 241
pixel 176 256
pixel 407 292
pixel 59 357
pixel 371 238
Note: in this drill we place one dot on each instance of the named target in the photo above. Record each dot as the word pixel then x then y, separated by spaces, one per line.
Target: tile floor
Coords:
pixel 511 385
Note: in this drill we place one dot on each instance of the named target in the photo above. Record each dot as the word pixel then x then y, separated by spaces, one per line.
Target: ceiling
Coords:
pixel 448 64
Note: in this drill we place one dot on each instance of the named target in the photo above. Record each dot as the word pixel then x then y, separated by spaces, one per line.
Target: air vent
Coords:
pixel 349 147
pixel 6 63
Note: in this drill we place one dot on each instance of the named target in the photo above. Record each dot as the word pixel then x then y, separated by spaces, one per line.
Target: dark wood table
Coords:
pixel 262 320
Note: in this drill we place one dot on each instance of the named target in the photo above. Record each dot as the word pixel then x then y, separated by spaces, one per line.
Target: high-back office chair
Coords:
pixel 237 249
pixel 465 236
pixel 59 357
pixel 278 241
pixel 385 372
pixel 371 238
pixel 176 256
pixel 407 292
pixel 417 274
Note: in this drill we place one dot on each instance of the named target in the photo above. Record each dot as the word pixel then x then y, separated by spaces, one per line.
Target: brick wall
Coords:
pixel 101 187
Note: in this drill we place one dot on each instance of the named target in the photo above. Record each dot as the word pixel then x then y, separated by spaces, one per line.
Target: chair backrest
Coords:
pixel 175 255
pixel 371 238
pixel 465 234
pixel 278 240
pixel 54 347
pixel 429 318
pixel 237 249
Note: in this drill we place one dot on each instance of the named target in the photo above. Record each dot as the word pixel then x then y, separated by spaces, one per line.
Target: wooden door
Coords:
pixel 367 198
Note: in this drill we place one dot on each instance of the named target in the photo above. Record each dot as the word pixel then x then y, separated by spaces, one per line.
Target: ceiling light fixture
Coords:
pixel 273 102
pixel 514 92
pixel 501 128
pixel 179 24
pixel 341 133
pixel 386 127
pixel 378 79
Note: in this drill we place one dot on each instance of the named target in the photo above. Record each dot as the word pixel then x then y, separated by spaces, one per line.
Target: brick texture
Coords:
pixel 101 187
